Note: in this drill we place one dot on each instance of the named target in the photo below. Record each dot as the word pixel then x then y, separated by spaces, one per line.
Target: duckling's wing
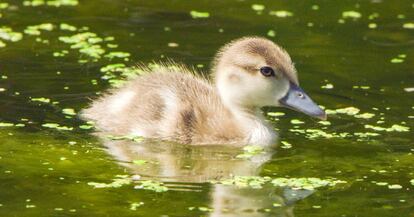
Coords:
pixel 169 102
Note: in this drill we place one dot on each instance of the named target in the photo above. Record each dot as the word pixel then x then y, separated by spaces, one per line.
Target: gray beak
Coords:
pixel 298 100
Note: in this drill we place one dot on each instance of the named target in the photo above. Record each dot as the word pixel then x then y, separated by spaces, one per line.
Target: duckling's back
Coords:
pixel 171 103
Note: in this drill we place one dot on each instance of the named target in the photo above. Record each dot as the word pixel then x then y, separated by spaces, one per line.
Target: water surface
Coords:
pixel 349 54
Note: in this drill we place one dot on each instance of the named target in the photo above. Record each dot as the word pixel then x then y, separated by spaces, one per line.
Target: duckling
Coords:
pixel 173 102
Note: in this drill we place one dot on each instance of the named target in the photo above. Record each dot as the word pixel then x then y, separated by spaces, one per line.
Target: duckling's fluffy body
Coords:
pixel 175 103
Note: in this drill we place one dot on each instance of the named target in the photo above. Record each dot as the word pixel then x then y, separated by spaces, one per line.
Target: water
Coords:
pixel 45 172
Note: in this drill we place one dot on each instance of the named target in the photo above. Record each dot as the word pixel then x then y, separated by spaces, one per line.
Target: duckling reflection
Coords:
pixel 185 168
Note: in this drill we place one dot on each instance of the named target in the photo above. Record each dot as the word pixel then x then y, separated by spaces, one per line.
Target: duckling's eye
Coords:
pixel 267 71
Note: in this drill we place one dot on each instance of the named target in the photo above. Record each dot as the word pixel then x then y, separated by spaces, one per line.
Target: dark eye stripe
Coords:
pixel 267 71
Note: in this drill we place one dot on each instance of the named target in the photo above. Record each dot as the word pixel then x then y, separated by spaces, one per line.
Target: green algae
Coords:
pixel 41 99
pixel 69 111
pixel 351 14
pixel 408 26
pixel 5 124
pixel 67 27
pixel 393 128
pixel 271 33
pixel 258 182
pixel 327 86
pixel 296 121
pixel 275 114
pixel 199 14
pixel 281 13
pixel 134 206
pixel 7 34
pixel 139 162
pixel 57 126
pixel 285 145
pixel 117 182
pixel 36 29
pixel 151 186
pixel 365 115
pixel 53 3
pixel 251 151
pixel 306 183
pixel 258 7
pixel 395 186
pixel 117 54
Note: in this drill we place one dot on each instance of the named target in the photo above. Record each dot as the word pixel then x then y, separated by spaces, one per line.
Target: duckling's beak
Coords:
pixel 298 100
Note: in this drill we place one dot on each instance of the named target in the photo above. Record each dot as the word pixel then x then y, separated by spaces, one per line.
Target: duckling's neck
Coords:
pixel 254 125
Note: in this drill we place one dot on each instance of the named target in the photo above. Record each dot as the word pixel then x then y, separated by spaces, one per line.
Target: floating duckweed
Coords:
pixel 4 5
pixel 112 45
pixel 86 43
pixel 139 162
pixel 54 3
pixel 7 34
pixel 348 111
pixel 351 14
pixel 199 14
pixel 113 67
pixel 285 145
pixel 381 183
pixel 365 115
pixel 134 206
pixel 250 151
pixel 325 123
pixel 35 29
pixel 317 133
pixel 85 127
pixel 296 121
pixel 366 134
pixel 393 128
pixel 69 111
pixel 327 86
pixel 409 89
pixel 57 126
pixel 118 182
pixel 41 99
pixel 277 205
pixel 117 54
pixel 408 25
pixel 246 181
pixel 205 209
pixel 305 183
pixel 271 33
pixel 281 14
pixel 294 183
pixel 258 7
pixel 151 185
pixel 372 25
pixel 275 114
pixel 395 186
pixel 396 60
pixel 61 53
pixel 67 27
pixel 5 124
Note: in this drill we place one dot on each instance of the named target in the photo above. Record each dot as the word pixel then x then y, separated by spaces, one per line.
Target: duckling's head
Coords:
pixel 253 72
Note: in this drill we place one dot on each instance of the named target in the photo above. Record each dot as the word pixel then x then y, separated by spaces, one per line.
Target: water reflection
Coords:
pixel 185 168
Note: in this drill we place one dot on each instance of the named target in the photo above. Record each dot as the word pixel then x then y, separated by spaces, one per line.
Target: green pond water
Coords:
pixel 353 57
